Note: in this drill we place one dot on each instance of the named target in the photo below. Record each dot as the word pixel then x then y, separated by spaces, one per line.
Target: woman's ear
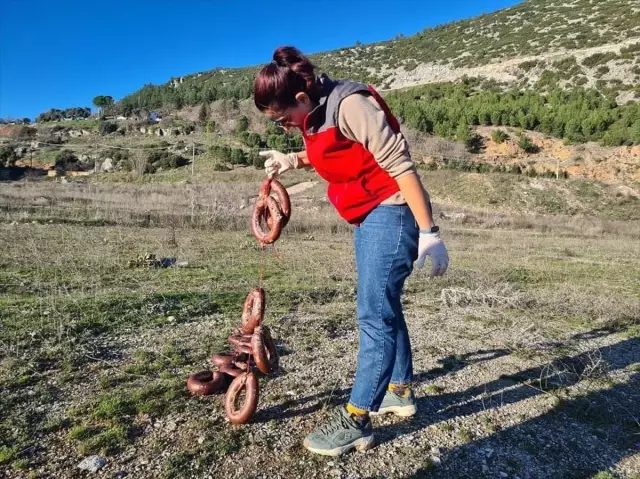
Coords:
pixel 302 97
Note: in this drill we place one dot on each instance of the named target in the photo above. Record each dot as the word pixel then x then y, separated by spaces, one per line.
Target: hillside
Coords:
pixel 583 42
pixel 479 94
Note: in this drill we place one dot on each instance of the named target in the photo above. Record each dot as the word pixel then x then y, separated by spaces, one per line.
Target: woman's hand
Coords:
pixel 430 244
pixel 277 163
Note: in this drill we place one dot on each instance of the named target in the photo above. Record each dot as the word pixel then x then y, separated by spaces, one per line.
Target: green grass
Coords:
pixel 73 313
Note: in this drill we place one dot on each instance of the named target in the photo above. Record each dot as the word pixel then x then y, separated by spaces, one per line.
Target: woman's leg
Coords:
pixel 386 246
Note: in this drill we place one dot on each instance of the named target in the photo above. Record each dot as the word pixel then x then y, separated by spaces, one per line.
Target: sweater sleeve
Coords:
pixel 361 119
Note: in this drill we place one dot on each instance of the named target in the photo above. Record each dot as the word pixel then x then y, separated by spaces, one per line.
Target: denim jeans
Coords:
pixel 386 246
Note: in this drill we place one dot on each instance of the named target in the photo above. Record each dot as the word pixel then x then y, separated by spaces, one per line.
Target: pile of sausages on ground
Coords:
pixel 253 347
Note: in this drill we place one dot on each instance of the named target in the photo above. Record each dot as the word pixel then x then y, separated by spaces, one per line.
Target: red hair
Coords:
pixel 278 82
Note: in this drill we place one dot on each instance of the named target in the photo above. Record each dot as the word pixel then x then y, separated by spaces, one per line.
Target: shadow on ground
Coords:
pixel 576 439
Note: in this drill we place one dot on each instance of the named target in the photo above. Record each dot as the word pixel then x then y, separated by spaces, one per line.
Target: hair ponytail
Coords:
pixel 278 82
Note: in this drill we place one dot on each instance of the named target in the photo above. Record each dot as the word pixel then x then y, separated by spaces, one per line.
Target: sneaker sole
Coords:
pixel 402 411
pixel 362 444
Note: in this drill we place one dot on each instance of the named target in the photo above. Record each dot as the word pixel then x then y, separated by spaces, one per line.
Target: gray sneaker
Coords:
pixel 341 434
pixel 392 403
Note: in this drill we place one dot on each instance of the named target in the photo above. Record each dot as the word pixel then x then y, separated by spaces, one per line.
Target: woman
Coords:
pixel 354 142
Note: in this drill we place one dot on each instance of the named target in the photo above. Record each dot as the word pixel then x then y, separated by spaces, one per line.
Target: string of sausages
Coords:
pixel 253 348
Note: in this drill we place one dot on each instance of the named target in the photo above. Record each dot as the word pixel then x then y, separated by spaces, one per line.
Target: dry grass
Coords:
pixel 94 354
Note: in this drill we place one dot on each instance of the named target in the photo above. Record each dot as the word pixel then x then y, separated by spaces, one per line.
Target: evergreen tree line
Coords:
pixel 576 115
pixel 56 114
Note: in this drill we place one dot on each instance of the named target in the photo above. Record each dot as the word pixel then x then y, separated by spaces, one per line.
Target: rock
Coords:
pixel 92 463
pixel 107 165
pixel 504 474
pixel 485 468
pixel 171 425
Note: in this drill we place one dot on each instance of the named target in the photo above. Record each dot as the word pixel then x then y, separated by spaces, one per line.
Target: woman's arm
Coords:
pixel 303 159
pixel 417 199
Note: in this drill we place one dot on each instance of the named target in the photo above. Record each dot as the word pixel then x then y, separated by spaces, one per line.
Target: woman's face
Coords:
pixel 292 117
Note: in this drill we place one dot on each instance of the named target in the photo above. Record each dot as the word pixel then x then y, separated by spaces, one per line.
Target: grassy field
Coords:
pixel 526 354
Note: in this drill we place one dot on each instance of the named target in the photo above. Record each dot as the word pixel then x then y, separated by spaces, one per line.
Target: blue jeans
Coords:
pixel 386 246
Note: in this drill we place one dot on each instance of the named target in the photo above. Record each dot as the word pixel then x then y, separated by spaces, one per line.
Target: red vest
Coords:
pixel 357 184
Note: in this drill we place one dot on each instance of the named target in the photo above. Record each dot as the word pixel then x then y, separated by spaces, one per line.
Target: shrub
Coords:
pixel 526 66
pixel 66 160
pixel 242 124
pixel 165 160
pixel 8 156
pixel 499 136
pixel 598 58
pixel 106 127
pixel 527 145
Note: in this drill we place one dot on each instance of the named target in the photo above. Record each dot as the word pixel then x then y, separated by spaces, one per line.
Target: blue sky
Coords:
pixel 62 54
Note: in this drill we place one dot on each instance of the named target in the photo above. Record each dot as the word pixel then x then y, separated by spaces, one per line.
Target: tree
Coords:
pixel 242 124
pixel 102 102
pixel 204 113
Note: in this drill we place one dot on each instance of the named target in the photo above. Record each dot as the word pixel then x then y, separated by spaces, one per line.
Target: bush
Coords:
pixel 8 156
pixel 26 132
pixel 598 58
pixel 254 159
pixel 238 157
pixel 107 127
pixel 242 124
pixel 165 160
pixel 499 136
pixel 66 160
pixel 526 66
pixel 527 145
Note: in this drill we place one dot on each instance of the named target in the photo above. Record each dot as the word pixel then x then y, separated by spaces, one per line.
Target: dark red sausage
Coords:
pixel 283 200
pixel 231 370
pixel 240 415
pixel 270 235
pixel 253 311
pixel 265 354
pixel 205 383
pixel 222 359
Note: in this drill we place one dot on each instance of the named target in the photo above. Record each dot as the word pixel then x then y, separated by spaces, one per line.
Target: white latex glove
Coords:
pixel 430 244
pixel 277 163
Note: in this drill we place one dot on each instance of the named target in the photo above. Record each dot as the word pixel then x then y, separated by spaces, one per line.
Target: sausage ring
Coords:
pixel 205 383
pixel 244 348
pixel 284 203
pixel 231 370
pixel 264 350
pixel 222 359
pixel 253 311
pixel 249 383
pixel 262 206
pixel 237 340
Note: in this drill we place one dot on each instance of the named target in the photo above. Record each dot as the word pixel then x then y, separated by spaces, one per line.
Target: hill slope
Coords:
pixel 609 29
